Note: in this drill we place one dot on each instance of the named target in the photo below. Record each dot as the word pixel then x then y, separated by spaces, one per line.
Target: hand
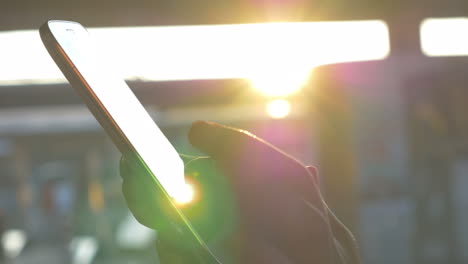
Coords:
pixel 281 216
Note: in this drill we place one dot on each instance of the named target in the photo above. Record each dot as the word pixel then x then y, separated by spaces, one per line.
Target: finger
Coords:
pixel 217 140
pixel 257 170
pixel 268 183
pixel 141 195
pixel 239 146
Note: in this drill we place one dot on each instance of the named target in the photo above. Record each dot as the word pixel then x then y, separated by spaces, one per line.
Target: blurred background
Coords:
pixel 372 92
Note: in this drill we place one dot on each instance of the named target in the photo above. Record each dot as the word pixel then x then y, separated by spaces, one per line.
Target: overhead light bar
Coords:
pixel 168 53
pixel 444 36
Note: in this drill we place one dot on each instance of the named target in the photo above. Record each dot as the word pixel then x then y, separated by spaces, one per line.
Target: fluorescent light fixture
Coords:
pixel 444 36
pixel 168 53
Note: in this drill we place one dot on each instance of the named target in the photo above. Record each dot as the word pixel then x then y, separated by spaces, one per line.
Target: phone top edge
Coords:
pixel 64 63
pixel 61 23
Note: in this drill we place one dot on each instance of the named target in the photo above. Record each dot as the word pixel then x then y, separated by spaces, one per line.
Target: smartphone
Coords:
pixel 124 119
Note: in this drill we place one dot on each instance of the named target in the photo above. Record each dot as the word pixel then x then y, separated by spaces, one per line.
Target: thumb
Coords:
pixel 218 141
pixel 229 144
pixel 251 162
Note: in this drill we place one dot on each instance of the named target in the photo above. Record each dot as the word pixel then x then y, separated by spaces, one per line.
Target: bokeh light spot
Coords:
pixel 185 194
pixel 278 108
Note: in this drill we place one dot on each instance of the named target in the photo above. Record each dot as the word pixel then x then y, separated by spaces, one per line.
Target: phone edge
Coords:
pixel 117 136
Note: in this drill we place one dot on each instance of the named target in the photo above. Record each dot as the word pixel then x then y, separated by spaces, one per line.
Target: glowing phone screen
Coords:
pixel 121 104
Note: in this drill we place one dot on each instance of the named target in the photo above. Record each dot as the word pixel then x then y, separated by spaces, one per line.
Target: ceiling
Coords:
pixel 403 17
pixel 30 14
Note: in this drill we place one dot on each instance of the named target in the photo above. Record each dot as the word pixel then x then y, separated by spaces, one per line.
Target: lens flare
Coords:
pixel 185 194
pixel 279 108
pixel 280 82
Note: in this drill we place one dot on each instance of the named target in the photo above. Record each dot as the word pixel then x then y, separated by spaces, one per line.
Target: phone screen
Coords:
pixel 121 105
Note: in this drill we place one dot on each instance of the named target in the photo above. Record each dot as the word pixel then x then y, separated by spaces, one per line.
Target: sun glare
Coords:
pixel 279 81
pixel 278 108
pixel 185 194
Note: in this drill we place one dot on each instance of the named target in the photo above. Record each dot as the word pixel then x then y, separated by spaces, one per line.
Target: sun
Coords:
pixel 185 194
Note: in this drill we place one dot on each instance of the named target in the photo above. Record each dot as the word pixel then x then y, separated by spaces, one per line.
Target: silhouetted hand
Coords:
pixel 280 214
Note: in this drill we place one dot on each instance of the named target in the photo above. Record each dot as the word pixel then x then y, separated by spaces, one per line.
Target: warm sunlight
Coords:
pixel 278 108
pixel 185 194
pixel 276 57
pixel 280 80
pixel 445 36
